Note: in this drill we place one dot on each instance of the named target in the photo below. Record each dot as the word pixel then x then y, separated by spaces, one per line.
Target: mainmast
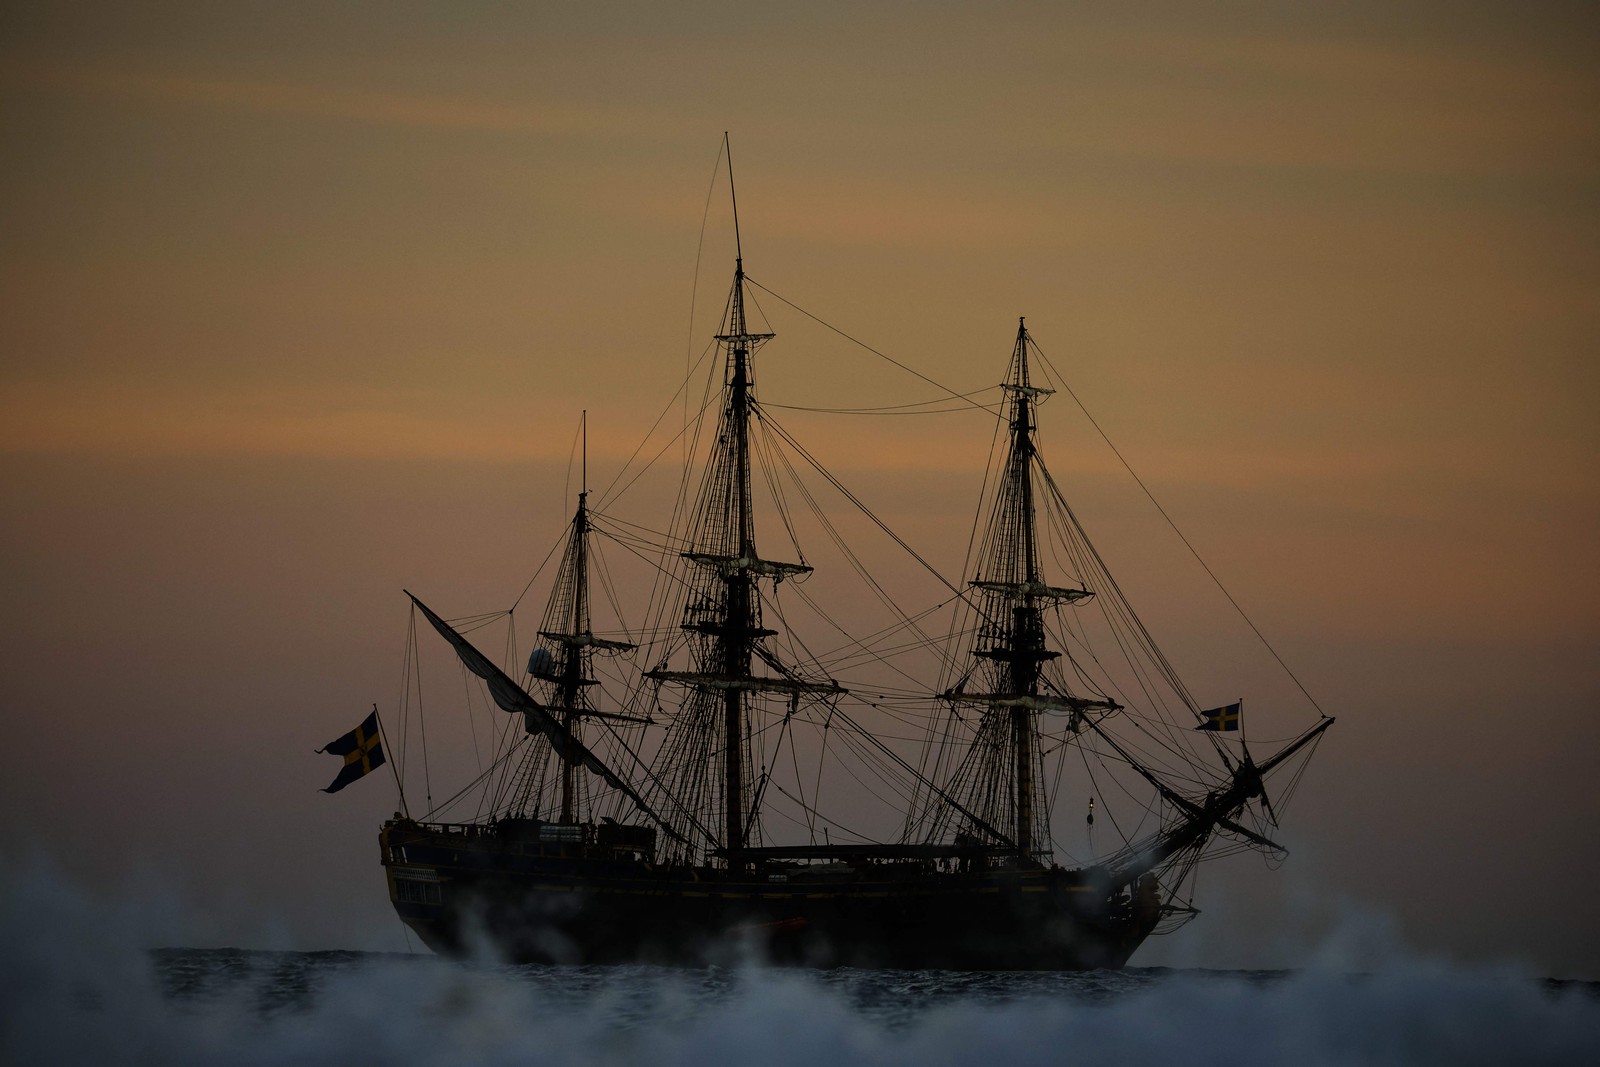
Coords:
pixel 723 612
pixel 739 631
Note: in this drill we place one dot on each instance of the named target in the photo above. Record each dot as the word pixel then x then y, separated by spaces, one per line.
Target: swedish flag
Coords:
pixel 361 752
pixel 1223 718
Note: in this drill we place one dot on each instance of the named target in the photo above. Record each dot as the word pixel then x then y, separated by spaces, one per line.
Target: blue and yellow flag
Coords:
pixel 361 752
pixel 1223 718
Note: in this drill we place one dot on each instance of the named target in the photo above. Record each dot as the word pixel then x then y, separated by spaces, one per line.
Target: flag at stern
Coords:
pixel 361 750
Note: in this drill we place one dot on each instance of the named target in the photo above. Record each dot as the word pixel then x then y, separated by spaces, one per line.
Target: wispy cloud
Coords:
pixel 321 101
pixel 85 419
pixel 1421 107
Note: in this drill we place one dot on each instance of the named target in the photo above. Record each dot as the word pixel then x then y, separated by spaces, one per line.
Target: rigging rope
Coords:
pixel 1105 437
pixel 1163 511
pixel 869 348
pixel 895 409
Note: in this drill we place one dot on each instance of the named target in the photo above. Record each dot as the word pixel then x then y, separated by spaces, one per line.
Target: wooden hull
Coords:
pixel 470 891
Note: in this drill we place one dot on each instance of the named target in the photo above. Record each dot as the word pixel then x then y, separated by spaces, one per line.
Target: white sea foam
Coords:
pixel 78 986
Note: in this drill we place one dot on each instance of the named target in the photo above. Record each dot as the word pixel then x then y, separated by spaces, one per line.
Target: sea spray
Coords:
pixel 79 987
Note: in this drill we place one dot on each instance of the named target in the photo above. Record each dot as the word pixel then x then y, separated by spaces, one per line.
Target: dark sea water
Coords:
pixel 237 1007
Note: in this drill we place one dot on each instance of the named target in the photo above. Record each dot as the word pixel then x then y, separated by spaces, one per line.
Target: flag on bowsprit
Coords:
pixel 1223 718
pixel 360 749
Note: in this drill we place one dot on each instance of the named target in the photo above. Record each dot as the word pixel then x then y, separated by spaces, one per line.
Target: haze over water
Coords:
pixel 79 989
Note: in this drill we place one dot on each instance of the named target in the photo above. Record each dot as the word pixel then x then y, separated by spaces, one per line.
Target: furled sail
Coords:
pixel 513 698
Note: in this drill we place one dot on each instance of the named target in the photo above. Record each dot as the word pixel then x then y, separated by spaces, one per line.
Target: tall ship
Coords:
pixel 893 787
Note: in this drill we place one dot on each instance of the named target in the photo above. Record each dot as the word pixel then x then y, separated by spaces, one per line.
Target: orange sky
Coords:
pixel 299 308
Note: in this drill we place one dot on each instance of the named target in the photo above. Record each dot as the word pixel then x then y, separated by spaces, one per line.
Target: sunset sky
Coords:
pixel 299 305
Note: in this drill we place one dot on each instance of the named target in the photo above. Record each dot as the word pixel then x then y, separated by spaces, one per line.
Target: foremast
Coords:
pixel 1002 776
pixel 1013 679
